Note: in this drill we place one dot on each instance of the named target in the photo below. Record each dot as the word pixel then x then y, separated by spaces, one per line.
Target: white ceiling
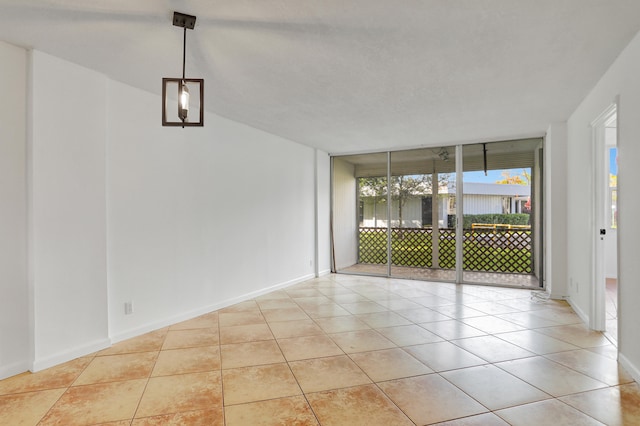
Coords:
pixel 350 75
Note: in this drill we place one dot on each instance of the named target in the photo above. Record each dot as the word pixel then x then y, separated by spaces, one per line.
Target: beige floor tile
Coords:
pixel 60 376
pixel 383 319
pixel 399 304
pixel 245 333
pixel 363 307
pixel 187 360
pixel 562 316
pixel 191 338
pixel 326 311
pixel 302 292
pixel 229 319
pixel 278 294
pixel 458 311
pixel 549 376
pixel 422 315
pixel 433 301
pixel 349 297
pixel 249 384
pixel 491 325
pixel 492 349
pixel 214 417
pixel 492 308
pixel 452 329
pixel 297 348
pixel 536 342
pixel 283 411
pixel 487 419
pixel 361 341
pixel 276 304
pixel 99 403
pixel 308 302
pixel 148 342
pixel 320 374
pixel 389 364
pixel 287 329
pixel 619 405
pixel 493 387
pixel 285 314
pixel 599 367
pixel 113 368
pixel 181 393
pixel 550 412
pixel 358 406
pixel 525 319
pixel 249 306
pixel 27 408
pixel 209 320
pixel 252 353
pixel 609 351
pixel 341 324
pixel 445 401
pixel 576 334
pixel 442 356
pixel 406 335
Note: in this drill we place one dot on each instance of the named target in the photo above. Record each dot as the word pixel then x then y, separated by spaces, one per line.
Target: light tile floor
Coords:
pixel 345 350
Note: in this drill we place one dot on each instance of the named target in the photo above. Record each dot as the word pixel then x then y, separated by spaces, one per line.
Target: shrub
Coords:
pixel 507 219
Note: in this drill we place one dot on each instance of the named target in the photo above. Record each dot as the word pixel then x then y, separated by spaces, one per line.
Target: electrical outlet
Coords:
pixel 128 308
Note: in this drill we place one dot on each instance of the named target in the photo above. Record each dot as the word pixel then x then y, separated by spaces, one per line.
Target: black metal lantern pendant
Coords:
pixel 188 110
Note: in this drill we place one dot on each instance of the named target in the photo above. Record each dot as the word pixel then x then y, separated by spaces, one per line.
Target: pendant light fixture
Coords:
pixel 179 109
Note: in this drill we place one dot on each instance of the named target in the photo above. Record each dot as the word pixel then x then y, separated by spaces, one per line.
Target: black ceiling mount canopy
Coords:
pixel 177 90
pixel 184 21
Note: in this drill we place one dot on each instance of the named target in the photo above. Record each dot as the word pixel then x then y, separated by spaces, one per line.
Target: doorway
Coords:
pixel 605 285
pixel 605 306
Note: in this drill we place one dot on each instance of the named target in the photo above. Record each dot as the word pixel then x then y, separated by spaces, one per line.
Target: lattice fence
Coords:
pixel 483 250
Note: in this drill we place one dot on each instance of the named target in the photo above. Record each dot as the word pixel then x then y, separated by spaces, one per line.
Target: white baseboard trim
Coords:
pixel 628 365
pixel 584 317
pixel 13 369
pixel 165 322
pixel 61 357
pixel 324 273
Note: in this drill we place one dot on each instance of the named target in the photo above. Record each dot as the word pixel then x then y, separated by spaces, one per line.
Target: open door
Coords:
pixel 604 298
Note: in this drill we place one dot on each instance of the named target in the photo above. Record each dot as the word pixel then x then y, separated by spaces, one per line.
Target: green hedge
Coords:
pixel 507 219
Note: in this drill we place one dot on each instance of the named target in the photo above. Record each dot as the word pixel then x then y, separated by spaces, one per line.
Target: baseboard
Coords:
pixel 61 357
pixel 630 367
pixel 13 369
pixel 324 273
pixel 584 317
pixel 165 322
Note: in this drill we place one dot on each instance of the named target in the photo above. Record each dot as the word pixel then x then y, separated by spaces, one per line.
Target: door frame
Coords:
pixel 597 316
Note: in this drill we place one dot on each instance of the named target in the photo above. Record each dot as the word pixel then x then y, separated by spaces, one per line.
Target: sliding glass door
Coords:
pixel 459 214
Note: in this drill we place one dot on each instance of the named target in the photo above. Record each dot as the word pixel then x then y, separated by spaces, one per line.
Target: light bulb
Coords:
pixel 183 104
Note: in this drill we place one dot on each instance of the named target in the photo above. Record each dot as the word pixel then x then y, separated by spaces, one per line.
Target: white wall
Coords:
pixel 177 221
pixel 67 199
pixel 555 195
pixel 200 217
pixel 620 80
pixel 14 299
pixel 345 242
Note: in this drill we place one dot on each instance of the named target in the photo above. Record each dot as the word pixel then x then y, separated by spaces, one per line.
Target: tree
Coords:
pixel 403 187
pixel 522 179
pixel 375 187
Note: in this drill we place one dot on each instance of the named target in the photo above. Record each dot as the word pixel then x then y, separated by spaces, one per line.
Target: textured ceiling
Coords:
pixel 350 76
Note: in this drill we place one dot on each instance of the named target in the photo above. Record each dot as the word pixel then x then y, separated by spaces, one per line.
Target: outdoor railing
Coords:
pixel 484 250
